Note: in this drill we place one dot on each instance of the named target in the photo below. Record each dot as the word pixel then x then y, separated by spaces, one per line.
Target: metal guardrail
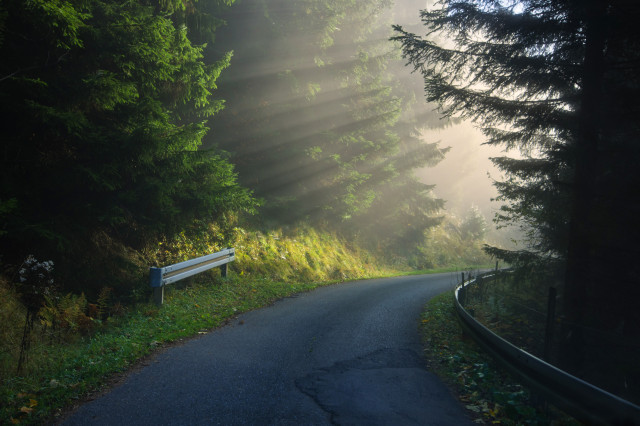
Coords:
pixel 159 277
pixel 581 399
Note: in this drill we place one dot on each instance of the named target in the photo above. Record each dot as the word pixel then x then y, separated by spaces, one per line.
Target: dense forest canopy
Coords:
pixel 127 123
pixel 104 107
pixel 317 122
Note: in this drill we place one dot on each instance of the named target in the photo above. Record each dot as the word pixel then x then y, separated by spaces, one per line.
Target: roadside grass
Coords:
pixel 79 344
pixel 487 391
pixel 64 373
pixel 457 268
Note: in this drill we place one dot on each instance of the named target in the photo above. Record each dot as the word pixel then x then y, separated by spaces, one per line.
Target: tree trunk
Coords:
pixel 581 250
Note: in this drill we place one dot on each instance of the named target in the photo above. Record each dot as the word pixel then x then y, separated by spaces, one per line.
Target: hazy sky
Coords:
pixel 461 178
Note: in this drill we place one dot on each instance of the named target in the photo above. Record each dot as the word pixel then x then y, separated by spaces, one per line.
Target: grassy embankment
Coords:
pixel 515 307
pixel 487 391
pixel 76 346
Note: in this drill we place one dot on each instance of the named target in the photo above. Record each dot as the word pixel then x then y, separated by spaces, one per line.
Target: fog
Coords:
pixel 464 178
pixel 298 116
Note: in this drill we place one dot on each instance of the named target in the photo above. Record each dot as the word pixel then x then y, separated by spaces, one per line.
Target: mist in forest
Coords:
pixel 464 177
pixel 324 121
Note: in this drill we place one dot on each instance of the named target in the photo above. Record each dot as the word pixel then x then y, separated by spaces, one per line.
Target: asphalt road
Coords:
pixel 348 354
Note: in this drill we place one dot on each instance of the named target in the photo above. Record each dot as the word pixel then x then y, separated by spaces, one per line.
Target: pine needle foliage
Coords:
pixel 318 122
pixel 558 81
pixel 105 106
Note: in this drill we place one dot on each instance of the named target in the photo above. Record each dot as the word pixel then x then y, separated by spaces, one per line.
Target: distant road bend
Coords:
pixel 344 354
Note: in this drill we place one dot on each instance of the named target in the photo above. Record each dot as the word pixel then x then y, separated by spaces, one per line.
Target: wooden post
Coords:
pixel 551 314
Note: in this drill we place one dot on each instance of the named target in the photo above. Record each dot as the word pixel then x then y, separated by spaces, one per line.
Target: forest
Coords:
pixel 133 125
pixel 146 132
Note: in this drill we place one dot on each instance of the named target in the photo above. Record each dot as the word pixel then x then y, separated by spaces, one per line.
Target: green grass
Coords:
pixel 463 268
pixel 65 365
pixel 490 395
pixel 64 373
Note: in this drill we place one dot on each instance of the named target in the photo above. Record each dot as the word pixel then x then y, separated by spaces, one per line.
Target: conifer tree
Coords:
pixel 104 105
pixel 318 124
pixel 558 81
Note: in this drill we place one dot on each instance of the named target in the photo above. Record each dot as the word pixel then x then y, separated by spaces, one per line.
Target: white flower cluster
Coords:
pixel 31 268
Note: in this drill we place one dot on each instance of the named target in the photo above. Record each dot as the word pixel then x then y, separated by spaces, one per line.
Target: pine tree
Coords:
pixel 558 81
pixel 318 123
pixel 104 107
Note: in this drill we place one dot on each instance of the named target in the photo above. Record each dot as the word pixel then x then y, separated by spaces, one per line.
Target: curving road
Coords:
pixel 348 354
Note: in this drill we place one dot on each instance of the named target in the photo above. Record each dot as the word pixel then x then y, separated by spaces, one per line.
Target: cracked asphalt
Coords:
pixel 348 354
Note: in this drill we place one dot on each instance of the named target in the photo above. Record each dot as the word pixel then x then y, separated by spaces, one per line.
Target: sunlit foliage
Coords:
pixel 318 124
pixel 104 106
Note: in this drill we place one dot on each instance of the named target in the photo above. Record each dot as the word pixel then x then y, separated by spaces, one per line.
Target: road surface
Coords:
pixel 348 354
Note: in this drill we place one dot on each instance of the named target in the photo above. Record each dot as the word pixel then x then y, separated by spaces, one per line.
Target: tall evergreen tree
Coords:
pixel 557 80
pixel 104 106
pixel 317 123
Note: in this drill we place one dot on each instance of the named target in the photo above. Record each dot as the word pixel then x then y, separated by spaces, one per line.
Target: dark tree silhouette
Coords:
pixel 558 81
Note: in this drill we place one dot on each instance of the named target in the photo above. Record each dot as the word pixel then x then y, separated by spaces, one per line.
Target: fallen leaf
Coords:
pixel 26 409
pixel 33 403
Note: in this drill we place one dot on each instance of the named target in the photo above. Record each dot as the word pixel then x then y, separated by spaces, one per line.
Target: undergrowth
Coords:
pixel 447 245
pixel 302 254
pixel 489 393
pixel 77 344
pixel 79 341
pixel 61 374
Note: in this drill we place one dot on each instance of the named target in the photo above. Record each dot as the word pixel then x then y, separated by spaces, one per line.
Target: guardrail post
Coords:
pixel 158 295
pixel 155 279
pixel 223 271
